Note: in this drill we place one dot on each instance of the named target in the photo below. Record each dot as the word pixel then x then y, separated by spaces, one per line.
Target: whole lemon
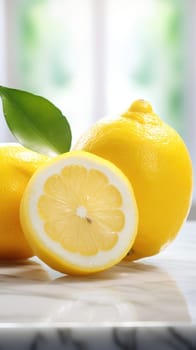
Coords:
pixel 17 164
pixel 156 161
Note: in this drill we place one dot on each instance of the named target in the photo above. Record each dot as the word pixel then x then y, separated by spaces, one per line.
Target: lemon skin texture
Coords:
pixel 156 161
pixel 17 164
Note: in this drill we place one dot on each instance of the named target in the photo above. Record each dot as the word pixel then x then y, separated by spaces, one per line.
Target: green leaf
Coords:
pixel 35 122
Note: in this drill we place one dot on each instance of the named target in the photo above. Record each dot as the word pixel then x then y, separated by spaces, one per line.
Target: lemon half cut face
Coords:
pixel 79 213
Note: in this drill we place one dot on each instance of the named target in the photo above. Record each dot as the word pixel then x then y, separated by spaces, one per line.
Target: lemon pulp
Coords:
pixel 81 210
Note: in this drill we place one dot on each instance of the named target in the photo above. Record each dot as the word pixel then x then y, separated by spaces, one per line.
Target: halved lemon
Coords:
pixel 79 213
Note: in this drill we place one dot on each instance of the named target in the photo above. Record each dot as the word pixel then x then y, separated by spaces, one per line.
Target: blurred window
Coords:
pixel 146 56
pixel 129 49
pixel 94 57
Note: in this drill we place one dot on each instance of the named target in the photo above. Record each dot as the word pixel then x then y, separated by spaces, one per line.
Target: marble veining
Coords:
pixel 134 338
pixel 157 290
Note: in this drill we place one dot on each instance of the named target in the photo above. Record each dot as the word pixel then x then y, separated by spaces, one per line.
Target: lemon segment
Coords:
pixel 79 213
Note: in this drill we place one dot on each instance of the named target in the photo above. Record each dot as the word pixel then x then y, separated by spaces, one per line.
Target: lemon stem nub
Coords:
pixel 141 106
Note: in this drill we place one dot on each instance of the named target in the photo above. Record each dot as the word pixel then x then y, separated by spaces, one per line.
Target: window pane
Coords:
pixel 2 66
pixel 146 56
pixel 53 55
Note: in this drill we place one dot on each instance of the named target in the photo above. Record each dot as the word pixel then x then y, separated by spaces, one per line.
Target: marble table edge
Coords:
pixel 93 325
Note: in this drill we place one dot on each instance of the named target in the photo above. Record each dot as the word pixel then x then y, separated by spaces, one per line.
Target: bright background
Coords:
pixel 92 58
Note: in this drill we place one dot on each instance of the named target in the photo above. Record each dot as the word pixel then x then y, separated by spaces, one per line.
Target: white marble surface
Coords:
pixel 160 290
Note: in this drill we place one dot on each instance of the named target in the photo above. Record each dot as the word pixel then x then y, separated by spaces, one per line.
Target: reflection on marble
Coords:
pixel 127 293
pixel 154 296
pixel 158 289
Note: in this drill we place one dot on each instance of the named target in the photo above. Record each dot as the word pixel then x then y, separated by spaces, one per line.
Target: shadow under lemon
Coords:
pixel 22 271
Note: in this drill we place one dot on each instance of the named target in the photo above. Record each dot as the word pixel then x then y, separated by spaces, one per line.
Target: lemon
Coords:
pixel 156 161
pixel 17 164
pixel 79 214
